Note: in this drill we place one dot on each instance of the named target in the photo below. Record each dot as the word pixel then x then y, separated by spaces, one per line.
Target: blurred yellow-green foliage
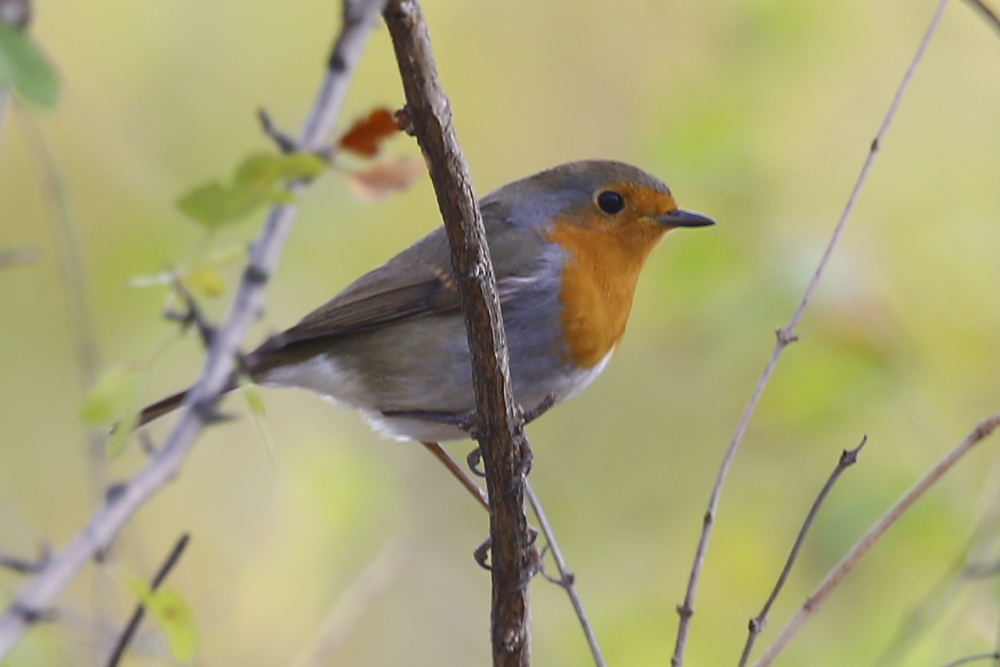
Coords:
pixel 757 112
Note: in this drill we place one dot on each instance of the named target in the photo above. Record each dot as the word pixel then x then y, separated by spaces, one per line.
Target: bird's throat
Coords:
pixel 599 276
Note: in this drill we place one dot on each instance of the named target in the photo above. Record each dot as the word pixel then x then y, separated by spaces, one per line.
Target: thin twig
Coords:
pixel 995 655
pixel 140 611
pixel 23 566
pixel 566 578
pixel 785 336
pixel 41 591
pixel 757 624
pixel 5 98
pixel 72 269
pixel 353 603
pixel 499 425
pixel 874 533
pixel 988 13
pixel 456 470
pixel 966 568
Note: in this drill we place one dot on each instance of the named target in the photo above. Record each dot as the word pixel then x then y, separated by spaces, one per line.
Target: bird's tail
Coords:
pixel 160 408
pixel 167 405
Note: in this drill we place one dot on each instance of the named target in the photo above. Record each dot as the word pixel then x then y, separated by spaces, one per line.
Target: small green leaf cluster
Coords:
pixel 259 181
pixel 25 68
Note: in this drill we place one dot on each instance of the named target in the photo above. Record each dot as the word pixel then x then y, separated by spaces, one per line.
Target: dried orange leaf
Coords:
pixel 385 178
pixel 366 135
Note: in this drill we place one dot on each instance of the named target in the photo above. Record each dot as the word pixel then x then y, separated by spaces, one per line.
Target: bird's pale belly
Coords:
pixel 425 383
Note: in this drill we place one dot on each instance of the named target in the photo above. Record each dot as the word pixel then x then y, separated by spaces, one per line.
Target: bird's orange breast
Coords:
pixel 599 276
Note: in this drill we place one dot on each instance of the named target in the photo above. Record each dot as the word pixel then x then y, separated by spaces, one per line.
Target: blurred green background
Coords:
pixel 756 112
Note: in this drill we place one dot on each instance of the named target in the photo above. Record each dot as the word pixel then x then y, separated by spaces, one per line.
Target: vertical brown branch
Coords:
pixel 498 422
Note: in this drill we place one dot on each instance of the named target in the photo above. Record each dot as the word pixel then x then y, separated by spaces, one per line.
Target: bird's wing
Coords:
pixel 416 283
pixel 384 297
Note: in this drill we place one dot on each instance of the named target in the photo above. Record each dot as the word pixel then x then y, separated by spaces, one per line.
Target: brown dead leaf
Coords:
pixel 366 135
pixel 385 178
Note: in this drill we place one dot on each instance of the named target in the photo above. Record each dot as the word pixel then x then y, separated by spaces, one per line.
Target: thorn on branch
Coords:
pixel 785 337
pixel 32 616
pixel 208 412
pixel 114 492
pixel 147 443
pixel 192 315
pixel 22 566
pixel 285 143
pixel 404 120
pixel 850 456
pixel 255 275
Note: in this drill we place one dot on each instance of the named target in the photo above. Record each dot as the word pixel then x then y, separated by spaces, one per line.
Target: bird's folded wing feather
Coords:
pixel 416 283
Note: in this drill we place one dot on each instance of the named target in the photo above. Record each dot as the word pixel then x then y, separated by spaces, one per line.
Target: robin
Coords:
pixel 567 246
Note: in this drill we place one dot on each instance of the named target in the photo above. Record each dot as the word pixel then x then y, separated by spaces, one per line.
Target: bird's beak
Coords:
pixel 681 218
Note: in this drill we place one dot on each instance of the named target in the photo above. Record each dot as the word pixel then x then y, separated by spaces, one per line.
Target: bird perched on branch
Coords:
pixel 567 246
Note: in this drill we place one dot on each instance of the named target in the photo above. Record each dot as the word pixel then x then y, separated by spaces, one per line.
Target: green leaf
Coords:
pixel 257 411
pixel 205 281
pixel 172 616
pixel 258 182
pixel 118 440
pixel 25 69
pixel 254 400
pixel 111 397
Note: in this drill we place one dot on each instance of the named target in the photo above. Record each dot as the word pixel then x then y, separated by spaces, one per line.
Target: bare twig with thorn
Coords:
pixel 757 624
pixel 24 566
pixel 847 564
pixel 284 142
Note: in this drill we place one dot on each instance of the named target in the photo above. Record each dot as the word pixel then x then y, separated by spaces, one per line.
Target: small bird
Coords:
pixel 567 246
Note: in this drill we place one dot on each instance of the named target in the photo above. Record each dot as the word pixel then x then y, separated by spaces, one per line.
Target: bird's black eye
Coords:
pixel 610 202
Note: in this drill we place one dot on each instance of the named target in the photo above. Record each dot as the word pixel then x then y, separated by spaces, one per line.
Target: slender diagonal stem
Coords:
pixel 785 336
pixel 757 624
pixel 140 611
pixel 356 599
pixel 41 591
pixel 458 473
pixel 995 655
pixel 847 564
pixel 988 14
